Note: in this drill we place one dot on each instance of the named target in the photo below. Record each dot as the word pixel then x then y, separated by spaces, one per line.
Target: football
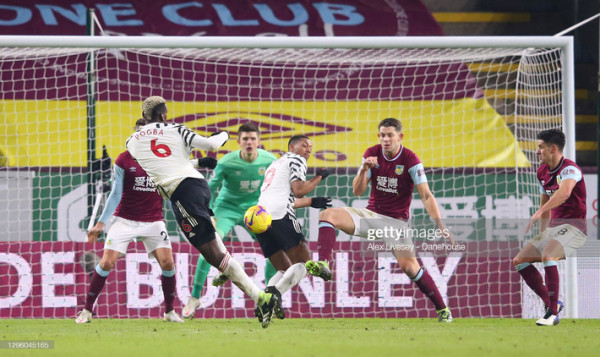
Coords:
pixel 257 219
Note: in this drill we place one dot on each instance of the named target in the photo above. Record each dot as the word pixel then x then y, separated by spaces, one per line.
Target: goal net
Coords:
pixel 471 110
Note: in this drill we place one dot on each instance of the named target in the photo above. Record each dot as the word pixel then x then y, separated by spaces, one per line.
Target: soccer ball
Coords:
pixel 257 219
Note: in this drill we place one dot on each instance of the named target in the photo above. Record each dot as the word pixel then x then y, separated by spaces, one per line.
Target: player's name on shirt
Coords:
pixel 148 131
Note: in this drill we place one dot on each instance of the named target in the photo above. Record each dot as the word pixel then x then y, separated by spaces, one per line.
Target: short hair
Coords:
pixel 393 122
pixel 553 137
pixel 248 128
pixel 294 139
pixel 150 106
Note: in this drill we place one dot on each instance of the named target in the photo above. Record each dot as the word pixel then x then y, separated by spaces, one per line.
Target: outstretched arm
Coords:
pixel 211 143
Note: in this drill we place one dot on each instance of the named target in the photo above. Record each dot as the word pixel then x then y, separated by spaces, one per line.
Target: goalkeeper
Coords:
pixel 239 175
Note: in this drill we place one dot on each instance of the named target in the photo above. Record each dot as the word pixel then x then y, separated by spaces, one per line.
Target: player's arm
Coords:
pixel 206 162
pixel 570 176
pixel 545 217
pixel 215 182
pixel 315 202
pixel 298 183
pixel 300 188
pixel 432 209
pixel 558 198
pixel 361 181
pixel 111 203
pixel 302 202
pixel 197 141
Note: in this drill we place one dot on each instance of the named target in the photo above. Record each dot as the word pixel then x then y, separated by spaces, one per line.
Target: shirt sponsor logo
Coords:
pixel 399 169
pixel 387 184
pixel 144 184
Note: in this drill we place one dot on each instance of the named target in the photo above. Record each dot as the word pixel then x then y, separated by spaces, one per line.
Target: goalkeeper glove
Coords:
pixel 323 172
pixel 219 132
pixel 320 202
pixel 208 162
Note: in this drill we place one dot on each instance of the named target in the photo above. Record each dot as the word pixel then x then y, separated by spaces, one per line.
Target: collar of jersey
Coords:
pixel 397 156
pixel 562 160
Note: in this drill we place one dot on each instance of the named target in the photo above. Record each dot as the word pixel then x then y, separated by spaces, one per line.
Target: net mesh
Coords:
pixel 471 115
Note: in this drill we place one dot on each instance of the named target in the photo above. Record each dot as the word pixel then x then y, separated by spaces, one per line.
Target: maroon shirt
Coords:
pixel 140 201
pixel 573 211
pixel 391 183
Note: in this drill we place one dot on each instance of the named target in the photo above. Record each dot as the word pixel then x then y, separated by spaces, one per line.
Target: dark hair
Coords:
pixel 553 137
pixel 387 122
pixel 294 139
pixel 248 127
pixel 141 122
pixel 158 110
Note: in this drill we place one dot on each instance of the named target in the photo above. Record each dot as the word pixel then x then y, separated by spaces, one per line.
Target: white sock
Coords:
pixel 234 271
pixel 291 277
pixel 275 278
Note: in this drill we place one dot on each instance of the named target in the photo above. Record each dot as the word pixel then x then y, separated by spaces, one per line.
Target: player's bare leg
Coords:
pixel 164 256
pixel 216 255
pixel 292 262
pixel 410 266
pixel 329 220
pixel 552 253
pixel 107 262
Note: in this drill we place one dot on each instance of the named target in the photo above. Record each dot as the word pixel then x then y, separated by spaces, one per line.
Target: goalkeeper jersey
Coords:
pixel 239 181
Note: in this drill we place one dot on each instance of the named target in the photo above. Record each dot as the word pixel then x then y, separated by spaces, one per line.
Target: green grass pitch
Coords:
pixel 307 337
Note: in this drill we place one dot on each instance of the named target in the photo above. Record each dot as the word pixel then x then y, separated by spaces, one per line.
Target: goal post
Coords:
pixel 470 106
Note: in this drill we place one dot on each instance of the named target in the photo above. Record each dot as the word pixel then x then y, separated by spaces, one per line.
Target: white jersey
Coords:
pixel 277 185
pixel 163 151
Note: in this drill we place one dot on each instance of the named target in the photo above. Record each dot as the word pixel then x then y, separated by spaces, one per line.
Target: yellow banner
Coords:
pixel 459 133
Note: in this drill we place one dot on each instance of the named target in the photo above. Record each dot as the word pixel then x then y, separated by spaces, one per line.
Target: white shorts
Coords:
pixel 567 235
pixel 372 226
pixel 123 231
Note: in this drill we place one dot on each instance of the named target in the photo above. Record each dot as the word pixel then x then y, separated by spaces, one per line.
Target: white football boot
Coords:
pixel 190 308
pixel 172 316
pixel 83 317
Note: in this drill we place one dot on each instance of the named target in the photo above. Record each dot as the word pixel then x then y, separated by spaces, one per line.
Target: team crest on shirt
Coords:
pixel 399 169
pixel 261 170
pixel 558 179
